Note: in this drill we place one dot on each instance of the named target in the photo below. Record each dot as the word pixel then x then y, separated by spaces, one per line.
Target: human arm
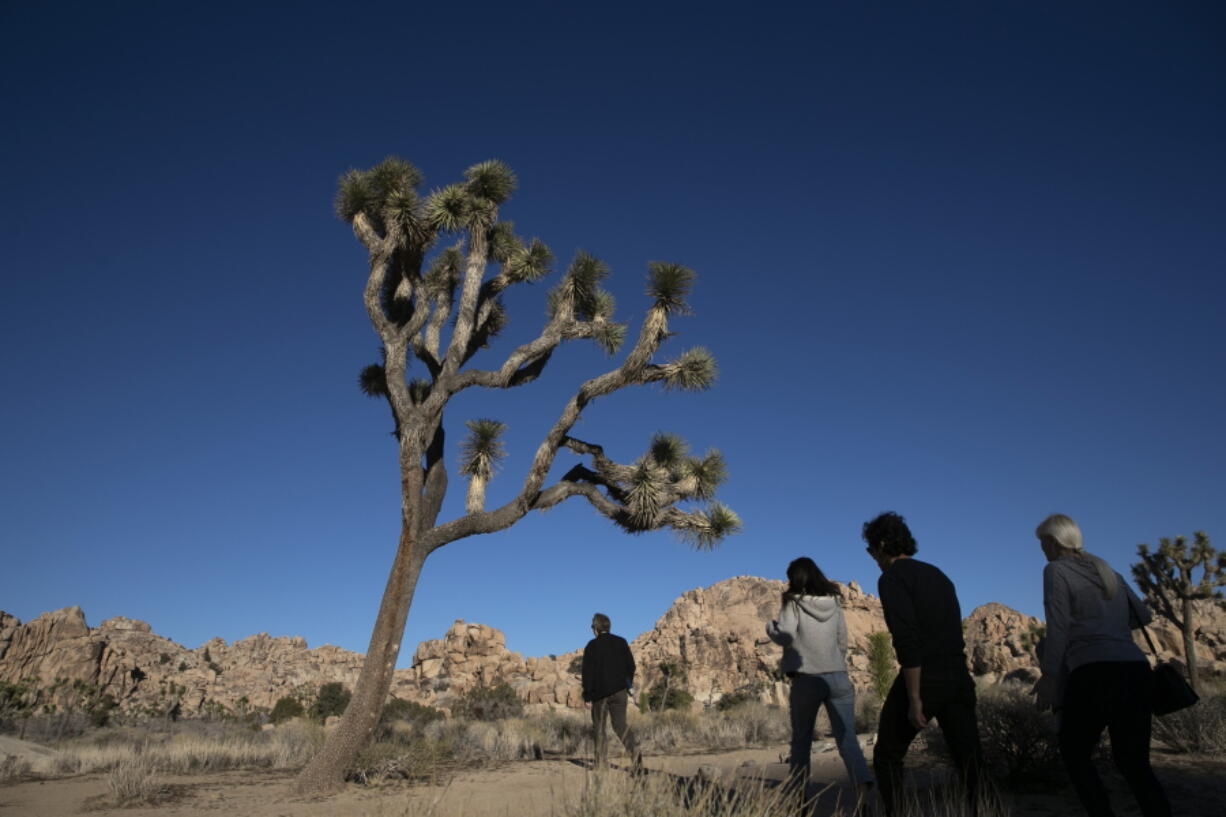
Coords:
pixel 842 634
pixel 783 630
pixel 915 703
pixel 1056 607
pixel 901 620
pixel 903 623
pixel 589 670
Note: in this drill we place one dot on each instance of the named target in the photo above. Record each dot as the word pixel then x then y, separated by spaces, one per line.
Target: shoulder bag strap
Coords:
pixel 1144 629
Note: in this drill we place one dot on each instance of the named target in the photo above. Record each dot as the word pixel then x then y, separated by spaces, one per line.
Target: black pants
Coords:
pixel 613 708
pixel 951 700
pixel 1112 695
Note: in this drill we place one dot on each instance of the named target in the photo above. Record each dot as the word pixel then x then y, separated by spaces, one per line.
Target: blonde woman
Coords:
pixel 1094 676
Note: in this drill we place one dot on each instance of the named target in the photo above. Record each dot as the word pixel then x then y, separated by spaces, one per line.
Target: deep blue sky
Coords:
pixel 962 261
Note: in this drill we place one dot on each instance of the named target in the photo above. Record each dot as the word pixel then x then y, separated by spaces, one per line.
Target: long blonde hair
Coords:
pixel 1065 533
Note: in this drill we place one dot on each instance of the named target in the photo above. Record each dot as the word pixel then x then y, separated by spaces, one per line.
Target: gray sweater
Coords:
pixel 1083 626
pixel 813 635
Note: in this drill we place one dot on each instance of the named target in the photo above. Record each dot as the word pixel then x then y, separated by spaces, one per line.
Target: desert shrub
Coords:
pixel 13 767
pixel 397 709
pixel 488 703
pixel 575 667
pixel 331 700
pixel 421 759
pixel 1020 744
pixel 1199 729
pixel 284 709
pixel 559 732
pixel 668 692
pixel 881 667
pixel 741 695
pixel 867 712
pixel 135 783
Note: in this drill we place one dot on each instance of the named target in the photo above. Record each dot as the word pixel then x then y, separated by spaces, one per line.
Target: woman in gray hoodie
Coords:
pixel 813 634
pixel 1094 676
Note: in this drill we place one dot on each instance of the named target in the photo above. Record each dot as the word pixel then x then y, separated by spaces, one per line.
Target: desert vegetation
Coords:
pixel 417 744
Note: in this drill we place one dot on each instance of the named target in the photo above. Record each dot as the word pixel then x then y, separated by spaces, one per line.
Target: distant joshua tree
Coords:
pixel 414 291
pixel 1165 577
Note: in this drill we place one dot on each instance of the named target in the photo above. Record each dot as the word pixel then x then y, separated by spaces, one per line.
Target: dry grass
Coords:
pixel 286 748
pixel 617 795
pixel 13 768
pixel 1200 729
pixel 135 783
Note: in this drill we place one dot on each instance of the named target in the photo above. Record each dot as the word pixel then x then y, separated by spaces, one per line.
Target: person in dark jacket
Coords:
pixel 608 674
pixel 925 622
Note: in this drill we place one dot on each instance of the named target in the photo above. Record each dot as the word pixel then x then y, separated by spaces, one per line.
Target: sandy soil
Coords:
pixel 546 787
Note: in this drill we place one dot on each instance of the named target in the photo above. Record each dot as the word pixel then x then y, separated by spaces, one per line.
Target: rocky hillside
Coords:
pixel 715 633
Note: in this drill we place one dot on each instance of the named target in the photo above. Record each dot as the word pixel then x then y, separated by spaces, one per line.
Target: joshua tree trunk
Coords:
pixel 1189 644
pixel 326 770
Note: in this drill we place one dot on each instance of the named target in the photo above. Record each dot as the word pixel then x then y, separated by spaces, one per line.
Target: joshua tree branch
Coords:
pixel 474 272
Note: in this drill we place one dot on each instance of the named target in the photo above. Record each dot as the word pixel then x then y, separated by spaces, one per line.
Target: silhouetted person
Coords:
pixel 925 622
pixel 1094 676
pixel 608 674
pixel 813 634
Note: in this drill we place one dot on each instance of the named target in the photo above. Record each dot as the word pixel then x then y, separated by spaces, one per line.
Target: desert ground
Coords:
pixel 557 786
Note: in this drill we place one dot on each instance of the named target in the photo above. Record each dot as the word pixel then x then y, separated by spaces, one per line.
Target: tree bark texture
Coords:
pixel 326 771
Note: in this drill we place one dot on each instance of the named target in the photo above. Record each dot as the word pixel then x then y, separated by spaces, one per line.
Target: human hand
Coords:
pixel 915 714
pixel 1044 693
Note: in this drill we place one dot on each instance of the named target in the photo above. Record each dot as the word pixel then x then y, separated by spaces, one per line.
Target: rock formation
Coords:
pixel 716 634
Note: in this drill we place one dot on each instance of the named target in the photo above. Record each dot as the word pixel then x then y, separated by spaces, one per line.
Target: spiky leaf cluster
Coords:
pixel 1167 574
pixel 449 209
pixel 490 180
pixel 529 263
pixel 373 381
pixel 669 284
pixel 708 528
pixel 482 449
pixel 694 370
pixel 387 194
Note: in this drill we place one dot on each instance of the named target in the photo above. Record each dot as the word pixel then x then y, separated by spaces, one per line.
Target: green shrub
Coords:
pixel 669 692
pixel 410 712
pixel 331 700
pixel 488 703
pixel 881 663
pixel 285 709
pixel 737 697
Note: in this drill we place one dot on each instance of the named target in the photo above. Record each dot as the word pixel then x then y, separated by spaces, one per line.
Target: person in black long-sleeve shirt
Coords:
pixel 925 622
pixel 608 674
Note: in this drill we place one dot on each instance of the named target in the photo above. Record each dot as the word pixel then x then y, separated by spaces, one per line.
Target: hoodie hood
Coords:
pixel 821 608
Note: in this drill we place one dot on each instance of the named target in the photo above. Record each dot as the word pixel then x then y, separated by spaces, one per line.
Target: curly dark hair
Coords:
pixel 888 534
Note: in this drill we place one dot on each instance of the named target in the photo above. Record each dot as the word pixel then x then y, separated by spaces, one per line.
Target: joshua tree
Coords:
pixel 416 287
pixel 1165 577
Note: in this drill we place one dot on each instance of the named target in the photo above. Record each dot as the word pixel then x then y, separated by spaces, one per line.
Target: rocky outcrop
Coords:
pixel 1000 642
pixel 716 634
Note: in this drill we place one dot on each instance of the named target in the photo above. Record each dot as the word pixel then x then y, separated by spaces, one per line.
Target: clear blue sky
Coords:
pixel 962 261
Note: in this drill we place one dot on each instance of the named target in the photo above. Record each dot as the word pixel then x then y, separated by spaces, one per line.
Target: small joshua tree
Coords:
pixel 416 288
pixel 1165 577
